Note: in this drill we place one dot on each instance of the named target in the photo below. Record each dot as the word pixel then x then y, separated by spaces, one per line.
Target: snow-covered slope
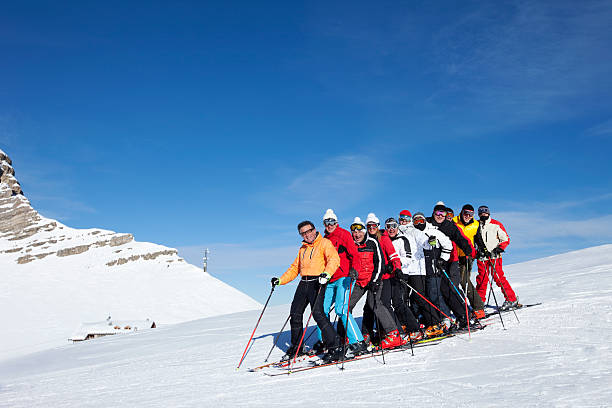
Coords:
pixel 53 278
pixel 558 355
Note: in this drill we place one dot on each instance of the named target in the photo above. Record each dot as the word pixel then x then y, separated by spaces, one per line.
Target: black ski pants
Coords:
pixel 373 308
pixel 429 314
pixel 394 298
pixel 310 292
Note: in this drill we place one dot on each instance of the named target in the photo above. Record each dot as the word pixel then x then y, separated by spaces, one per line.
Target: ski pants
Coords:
pixel 374 307
pixel 450 290
pixel 465 265
pixel 493 266
pixel 308 292
pixel 434 294
pixel 338 292
pixel 429 314
pixel 394 298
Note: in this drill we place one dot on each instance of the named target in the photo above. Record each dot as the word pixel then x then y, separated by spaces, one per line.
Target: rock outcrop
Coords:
pixel 28 236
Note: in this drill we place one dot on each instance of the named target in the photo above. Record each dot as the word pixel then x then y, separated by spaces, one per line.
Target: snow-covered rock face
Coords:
pixel 54 278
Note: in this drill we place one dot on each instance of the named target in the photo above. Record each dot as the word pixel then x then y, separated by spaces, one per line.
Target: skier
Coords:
pixel 316 262
pixel 405 221
pixel 450 283
pixel 436 254
pixel 391 263
pixel 369 282
pixel 337 290
pixel 393 286
pixel 416 272
pixel 449 213
pixel 465 222
pixel 492 239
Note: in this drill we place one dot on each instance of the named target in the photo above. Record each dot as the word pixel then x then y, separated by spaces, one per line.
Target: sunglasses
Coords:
pixel 418 221
pixel 329 221
pixel 391 225
pixel 440 213
pixel 357 227
pixel 308 231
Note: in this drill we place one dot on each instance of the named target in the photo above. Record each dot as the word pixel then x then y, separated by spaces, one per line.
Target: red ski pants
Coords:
pixel 482 280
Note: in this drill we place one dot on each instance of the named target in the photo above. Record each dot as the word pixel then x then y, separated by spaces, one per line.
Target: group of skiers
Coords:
pixel 414 273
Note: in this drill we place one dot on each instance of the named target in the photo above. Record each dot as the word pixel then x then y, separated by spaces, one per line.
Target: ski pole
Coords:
pixel 502 287
pixel 276 338
pixel 252 334
pixel 495 298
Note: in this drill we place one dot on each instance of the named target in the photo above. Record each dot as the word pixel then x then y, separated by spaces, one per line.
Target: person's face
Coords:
pixel 467 215
pixel 330 225
pixel 439 216
pixel 392 229
pixel 308 233
pixel 403 221
pixel 372 228
pixel 419 223
pixel 358 235
pixel 450 215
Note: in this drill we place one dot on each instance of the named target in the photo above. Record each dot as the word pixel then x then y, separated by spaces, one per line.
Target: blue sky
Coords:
pixel 223 125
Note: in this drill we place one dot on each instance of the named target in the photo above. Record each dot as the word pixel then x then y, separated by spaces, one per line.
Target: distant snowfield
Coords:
pixel 558 355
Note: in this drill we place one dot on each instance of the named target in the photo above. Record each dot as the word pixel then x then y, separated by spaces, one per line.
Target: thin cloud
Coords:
pixel 337 182
pixel 603 129
pixel 527 62
pixel 530 230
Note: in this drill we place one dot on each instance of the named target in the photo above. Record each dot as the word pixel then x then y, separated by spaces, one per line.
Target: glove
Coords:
pixel 353 274
pixel 433 241
pixel 324 278
pixel 389 268
pixel 399 274
pixel 275 282
pixel 440 264
pixel 483 253
pixel 497 251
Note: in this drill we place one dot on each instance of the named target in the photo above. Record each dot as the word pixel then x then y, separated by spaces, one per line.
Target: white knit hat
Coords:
pixel 329 214
pixel 372 218
pixel 357 220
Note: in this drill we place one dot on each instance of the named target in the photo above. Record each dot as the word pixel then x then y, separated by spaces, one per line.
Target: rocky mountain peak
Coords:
pixel 7 174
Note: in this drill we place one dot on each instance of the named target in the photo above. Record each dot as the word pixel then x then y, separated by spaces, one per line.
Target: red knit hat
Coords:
pixel 405 213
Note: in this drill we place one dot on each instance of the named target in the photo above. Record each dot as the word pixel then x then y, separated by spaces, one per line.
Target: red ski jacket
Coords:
pixel 347 250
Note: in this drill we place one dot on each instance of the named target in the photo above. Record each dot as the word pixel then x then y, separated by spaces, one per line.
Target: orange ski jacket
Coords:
pixel 313 260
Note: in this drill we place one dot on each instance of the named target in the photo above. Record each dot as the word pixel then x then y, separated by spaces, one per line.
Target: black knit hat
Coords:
pixel 467 207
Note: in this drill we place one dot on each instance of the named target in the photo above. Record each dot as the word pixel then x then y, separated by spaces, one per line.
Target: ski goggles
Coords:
pixel 391 225
pixel 483 209
pixel 468 212
pixel 418 221
pixel 372 225
pixel 440 213
pixel 357 227
pixel 329 221
pixel 405 218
